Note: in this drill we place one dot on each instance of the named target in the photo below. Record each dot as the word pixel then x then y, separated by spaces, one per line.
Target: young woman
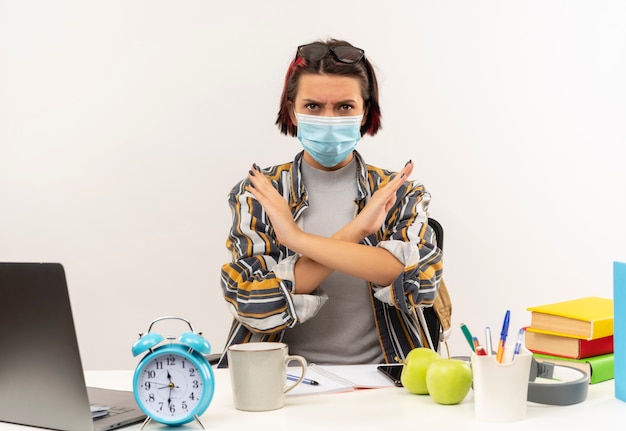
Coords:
pixel 330 255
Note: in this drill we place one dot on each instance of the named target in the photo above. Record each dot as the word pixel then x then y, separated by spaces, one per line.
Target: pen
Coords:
pixel 488 345
pixel 503 334
pixel 468 336
pixel 518 344
pixel 476 345
pixel 305 381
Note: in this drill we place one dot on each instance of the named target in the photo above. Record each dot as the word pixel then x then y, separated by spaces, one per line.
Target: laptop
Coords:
pixel 41 376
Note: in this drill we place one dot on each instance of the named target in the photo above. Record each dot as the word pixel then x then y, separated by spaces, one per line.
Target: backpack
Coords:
pixel 438 317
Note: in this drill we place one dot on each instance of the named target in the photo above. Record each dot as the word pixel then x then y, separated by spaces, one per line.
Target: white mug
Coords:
pixel 258 375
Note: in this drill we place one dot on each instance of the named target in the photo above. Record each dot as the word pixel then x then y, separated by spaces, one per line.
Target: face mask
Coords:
pixel 329 140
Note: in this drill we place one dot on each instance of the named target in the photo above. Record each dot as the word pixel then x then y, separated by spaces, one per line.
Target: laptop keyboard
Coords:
pixel 115 410
pixel 112 411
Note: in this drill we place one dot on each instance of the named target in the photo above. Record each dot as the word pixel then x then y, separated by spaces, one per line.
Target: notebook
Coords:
pixel 338 378
pixel 41 372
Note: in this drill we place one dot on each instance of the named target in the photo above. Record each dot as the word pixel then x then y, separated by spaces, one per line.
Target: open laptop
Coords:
pixel 41 376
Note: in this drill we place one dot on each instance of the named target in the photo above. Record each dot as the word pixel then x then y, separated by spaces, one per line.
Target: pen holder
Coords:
pixel 501 389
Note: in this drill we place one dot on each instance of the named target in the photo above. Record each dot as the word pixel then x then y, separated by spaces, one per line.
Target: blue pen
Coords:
pixel 518 344
pixel 503 334
pixel 305 381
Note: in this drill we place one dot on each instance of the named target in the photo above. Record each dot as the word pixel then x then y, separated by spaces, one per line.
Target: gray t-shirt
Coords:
pixel 344 330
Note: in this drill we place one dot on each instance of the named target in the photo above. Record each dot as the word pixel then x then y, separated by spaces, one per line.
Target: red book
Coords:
pixel 566 346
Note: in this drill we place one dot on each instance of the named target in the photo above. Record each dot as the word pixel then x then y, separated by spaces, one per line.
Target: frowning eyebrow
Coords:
pixel 341 102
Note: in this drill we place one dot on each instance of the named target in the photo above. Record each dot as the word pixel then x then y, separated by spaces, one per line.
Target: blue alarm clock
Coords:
pixel 173 383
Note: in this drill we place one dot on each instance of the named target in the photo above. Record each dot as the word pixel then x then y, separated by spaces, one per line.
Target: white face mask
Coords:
pixel 329 140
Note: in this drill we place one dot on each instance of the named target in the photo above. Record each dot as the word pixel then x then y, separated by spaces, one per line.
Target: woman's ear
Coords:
pixel 364 120
pixel 292 113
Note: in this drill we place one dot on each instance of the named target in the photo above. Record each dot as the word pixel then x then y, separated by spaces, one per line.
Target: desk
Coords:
pixel 379 409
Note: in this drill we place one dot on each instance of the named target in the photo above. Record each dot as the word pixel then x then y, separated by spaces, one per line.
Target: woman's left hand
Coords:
pixel 375 212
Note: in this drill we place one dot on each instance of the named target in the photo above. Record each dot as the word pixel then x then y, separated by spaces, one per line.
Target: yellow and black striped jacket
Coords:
pixel 258 282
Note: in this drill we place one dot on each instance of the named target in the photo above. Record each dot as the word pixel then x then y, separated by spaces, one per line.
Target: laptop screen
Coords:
pixel 41 372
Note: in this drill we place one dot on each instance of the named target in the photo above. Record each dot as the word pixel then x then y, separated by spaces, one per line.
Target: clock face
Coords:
pixel 171 385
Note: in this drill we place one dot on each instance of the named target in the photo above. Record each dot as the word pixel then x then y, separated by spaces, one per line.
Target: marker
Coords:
pixel 468 336
pixel 518 344
pixel 488 345
pixel 503 334
pixel 305 381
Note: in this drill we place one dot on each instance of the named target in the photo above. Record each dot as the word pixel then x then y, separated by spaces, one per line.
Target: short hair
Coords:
pixel 362 70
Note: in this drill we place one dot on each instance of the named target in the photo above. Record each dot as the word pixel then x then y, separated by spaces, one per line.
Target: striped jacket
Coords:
pixel 258 282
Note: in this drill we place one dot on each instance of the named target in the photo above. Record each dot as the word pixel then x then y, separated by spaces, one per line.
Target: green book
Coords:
pixel 600 368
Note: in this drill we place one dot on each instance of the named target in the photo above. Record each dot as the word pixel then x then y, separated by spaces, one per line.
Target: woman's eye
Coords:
pixel 345 107
pixel 311 106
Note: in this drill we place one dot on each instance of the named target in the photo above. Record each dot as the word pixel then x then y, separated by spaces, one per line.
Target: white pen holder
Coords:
pixel 501 389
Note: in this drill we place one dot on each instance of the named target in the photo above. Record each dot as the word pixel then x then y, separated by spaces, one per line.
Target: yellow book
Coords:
pixel 587 318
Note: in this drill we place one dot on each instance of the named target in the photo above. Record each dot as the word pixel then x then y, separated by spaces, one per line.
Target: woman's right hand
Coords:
pixel 274 205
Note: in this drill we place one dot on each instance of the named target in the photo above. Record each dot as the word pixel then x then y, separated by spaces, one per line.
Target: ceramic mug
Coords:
pixel 258 375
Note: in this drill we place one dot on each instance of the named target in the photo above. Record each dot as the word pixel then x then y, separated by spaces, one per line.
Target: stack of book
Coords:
pixel 577 333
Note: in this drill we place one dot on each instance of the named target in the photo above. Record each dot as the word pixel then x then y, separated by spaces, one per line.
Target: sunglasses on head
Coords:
pixel 343 53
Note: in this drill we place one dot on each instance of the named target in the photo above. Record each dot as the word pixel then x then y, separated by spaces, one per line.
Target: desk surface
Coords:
pixel 379 409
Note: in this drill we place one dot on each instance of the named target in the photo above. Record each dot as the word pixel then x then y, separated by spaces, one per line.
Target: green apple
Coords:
pixel 413 375
pixel 448 380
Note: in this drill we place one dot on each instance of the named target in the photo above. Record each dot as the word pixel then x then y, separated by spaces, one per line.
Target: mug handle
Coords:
pixel 303 364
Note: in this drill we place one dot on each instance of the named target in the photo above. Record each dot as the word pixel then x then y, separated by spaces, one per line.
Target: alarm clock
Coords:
pixel 173 383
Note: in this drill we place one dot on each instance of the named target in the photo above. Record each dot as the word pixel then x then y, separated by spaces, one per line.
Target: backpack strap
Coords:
pixel 443 308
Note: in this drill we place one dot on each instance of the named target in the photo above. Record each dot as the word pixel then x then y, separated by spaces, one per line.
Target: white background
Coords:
pixel 123 124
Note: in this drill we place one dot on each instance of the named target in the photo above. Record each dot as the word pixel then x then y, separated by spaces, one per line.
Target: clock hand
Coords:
pixel 171 384
pixel 169 398
pixel 162 385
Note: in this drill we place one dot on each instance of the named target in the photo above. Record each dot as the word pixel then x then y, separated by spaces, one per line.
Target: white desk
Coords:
pixel 380 409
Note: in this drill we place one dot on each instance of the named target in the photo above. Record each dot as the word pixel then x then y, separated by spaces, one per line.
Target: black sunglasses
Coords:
pixel 344 53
